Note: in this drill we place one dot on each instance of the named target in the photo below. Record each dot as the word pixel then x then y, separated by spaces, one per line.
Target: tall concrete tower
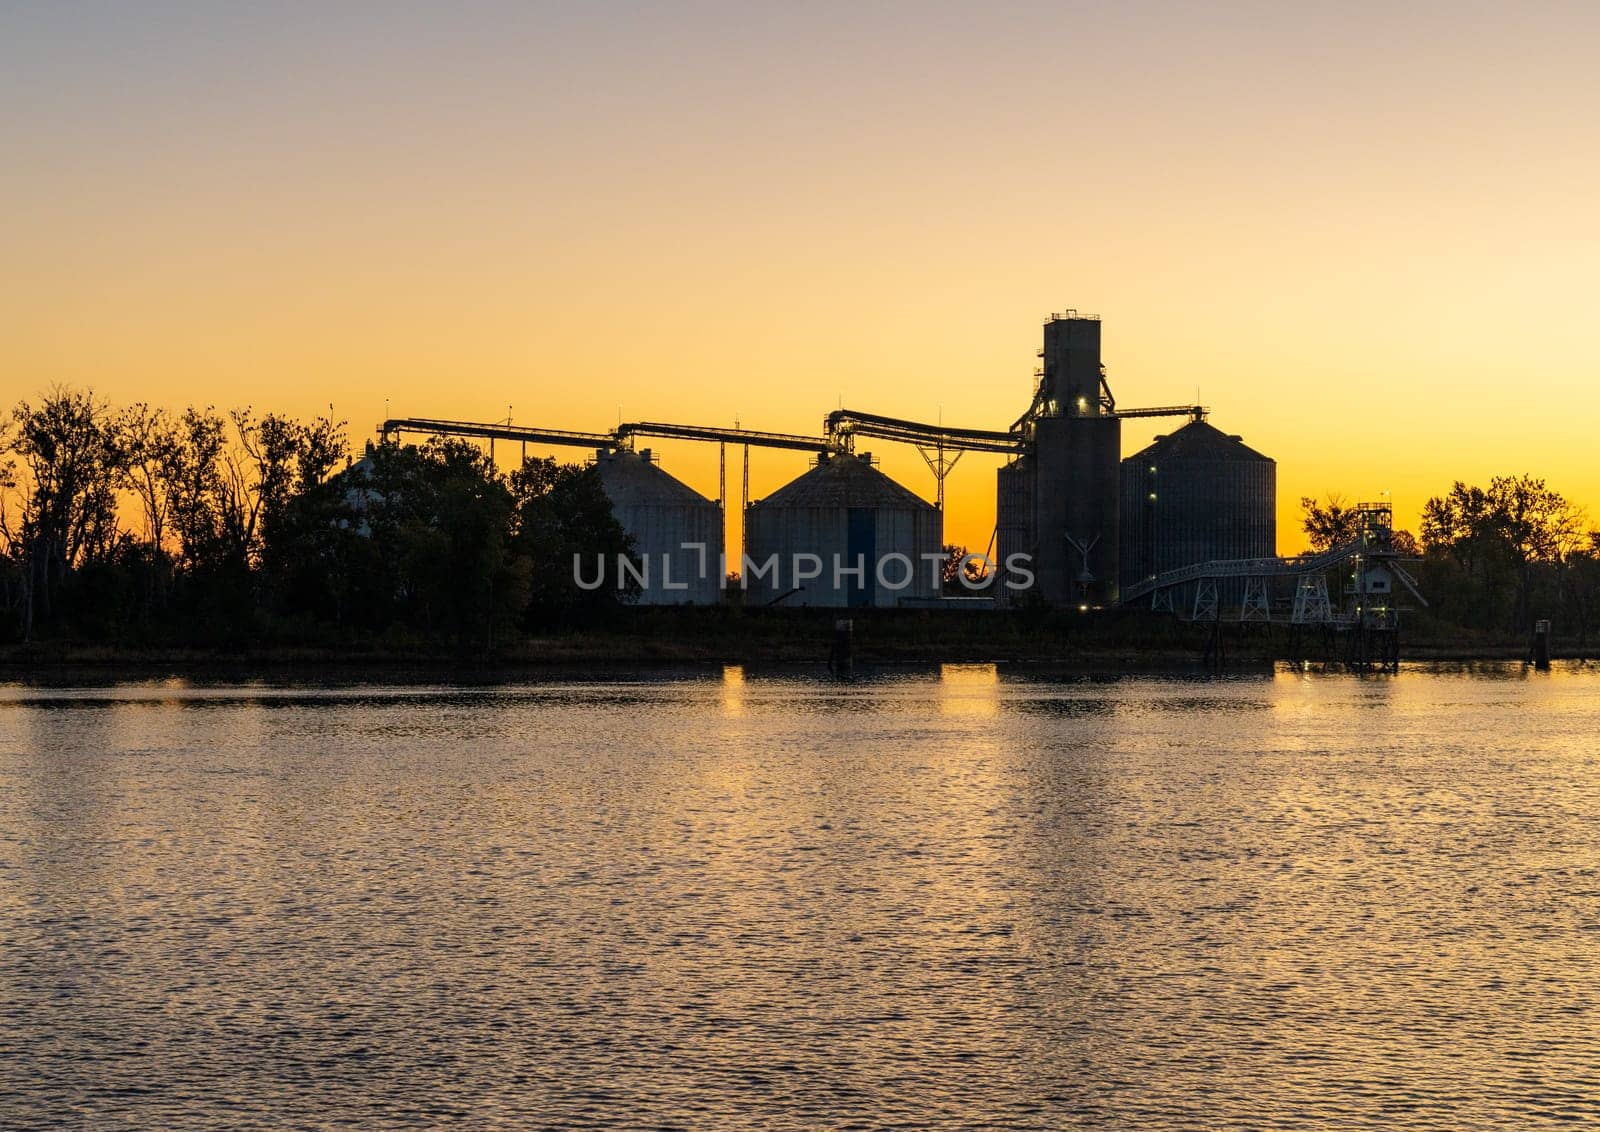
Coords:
pixel 1059 500
pixel 1073 381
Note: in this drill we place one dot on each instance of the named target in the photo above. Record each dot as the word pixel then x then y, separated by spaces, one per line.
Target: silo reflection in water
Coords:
pixel 733 689
pixel 969 690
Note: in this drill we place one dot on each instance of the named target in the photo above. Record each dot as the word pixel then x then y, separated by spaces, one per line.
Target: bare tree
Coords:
pixel 72 457
pixel 191 478
pixel 150 436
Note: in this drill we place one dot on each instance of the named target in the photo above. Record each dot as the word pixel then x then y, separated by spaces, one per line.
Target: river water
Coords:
pixel 956 898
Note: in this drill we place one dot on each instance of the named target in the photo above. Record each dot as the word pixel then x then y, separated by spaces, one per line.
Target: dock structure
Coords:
pixel 1358 623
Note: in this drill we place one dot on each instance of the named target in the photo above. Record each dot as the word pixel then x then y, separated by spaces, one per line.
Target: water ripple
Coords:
pixel 975 901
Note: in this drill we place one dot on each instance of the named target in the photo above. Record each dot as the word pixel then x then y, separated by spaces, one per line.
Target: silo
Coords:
pixel 1076 443
pixel 843 534
pixel 1013 529
pixel 677 532
pixel 1076 519
pixel 1196 495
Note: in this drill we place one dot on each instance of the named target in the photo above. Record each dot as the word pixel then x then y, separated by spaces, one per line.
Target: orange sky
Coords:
pixel 1367 237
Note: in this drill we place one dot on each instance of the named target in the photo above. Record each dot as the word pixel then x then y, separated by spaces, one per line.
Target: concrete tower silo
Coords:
pixel 1058 501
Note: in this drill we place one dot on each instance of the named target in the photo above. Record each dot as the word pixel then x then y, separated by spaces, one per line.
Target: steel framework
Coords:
pixel 1372 556
pixel 941 446
pixel 712 434
pixel 495 431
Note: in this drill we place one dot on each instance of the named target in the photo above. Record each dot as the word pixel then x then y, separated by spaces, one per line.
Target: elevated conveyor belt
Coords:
pixel 843 424
pixel 1273 567
pixel 432 427
pixel 793 441
pixel 623 434
pixel 1193 412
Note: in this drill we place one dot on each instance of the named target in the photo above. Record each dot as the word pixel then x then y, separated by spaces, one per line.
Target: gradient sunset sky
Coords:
pixel 1367 234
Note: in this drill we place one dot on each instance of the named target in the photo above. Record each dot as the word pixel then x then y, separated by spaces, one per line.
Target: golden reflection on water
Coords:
pixel 969 690
pixel 733 690
pixel 1309 901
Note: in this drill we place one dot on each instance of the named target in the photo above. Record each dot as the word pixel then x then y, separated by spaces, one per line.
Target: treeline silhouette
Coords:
pixel 1490 560
pixel 141 527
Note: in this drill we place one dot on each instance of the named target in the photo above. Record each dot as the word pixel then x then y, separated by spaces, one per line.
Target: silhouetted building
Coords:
pixel 677 532
pixel 1196 495
pixel 840 517
pixel 1058 500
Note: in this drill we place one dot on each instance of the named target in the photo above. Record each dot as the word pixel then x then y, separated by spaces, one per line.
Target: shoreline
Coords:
pixel 539 654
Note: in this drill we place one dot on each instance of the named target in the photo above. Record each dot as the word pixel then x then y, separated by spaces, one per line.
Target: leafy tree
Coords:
pixel 439 519
pixel 13 585
pixel 957 566
pixel 245 527
pixel 192 480
pixel 309 552
pixel 1580 587
pixel 1330 523
pixel 561 512
pixel 273 447
pixel 322 444
pixel 285 459
pixel 1495 539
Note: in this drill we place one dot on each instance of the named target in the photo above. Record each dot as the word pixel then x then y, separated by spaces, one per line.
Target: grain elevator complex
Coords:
pixel 1078 524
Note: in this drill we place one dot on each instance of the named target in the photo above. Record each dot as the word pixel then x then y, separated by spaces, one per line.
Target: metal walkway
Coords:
pixel 1247 568
pixel 1371 549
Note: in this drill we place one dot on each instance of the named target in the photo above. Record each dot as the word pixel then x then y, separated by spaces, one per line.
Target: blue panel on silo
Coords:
pixel 861 547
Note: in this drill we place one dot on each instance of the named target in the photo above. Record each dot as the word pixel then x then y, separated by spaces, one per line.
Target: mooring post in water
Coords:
pixel 1539 650
pixel 1215 655
pixel 842 658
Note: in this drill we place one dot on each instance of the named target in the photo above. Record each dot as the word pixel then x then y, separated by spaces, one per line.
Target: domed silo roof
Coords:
pixel 677 532
pixel 1200 440
pixel 849 516
pixel 1196 495
pixel 844 480
pixel 632 478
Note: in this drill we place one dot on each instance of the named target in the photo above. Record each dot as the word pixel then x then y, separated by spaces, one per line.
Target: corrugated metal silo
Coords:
pixel 677 532
pixel 840 517
pixel 1197 495
pixel 1013 529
